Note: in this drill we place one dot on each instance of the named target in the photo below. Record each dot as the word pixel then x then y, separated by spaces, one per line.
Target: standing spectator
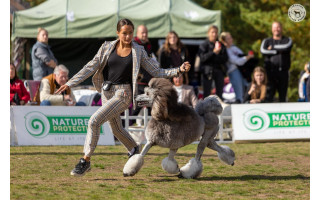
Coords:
pixel 144 77
pixel 46 96
pixel 185 92
pixel 256 92
pixel 213 56
pixel 43 60
pixel 235 59
pixel 276 51
pixel 173 53
pixel 18 93
pixel 303 84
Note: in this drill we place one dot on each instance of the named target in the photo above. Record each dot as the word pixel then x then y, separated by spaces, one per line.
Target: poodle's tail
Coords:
pixel 209 104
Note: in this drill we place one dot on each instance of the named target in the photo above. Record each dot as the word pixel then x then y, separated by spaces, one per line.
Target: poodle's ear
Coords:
pixel 159 108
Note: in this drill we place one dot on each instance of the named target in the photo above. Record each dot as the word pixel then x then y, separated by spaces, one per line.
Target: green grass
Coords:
pixel 261 171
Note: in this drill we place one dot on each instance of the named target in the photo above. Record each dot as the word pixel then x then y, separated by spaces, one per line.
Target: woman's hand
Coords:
pixel 61 89
pixel 185 67
pixel 252 89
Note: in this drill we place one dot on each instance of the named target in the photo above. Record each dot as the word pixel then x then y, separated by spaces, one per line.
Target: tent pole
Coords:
pixel 170 22
pixel 66 27
pixel 118 11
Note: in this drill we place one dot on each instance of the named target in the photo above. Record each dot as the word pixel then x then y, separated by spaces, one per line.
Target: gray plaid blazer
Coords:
pixel 140 58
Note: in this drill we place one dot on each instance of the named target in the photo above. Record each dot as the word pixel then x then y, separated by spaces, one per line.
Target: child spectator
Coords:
pixel 257 90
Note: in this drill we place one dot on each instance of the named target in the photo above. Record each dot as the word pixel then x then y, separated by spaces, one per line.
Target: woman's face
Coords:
pixel 229 40
pixel 178 81
pixel 43 37
pixel 173 39
pixel 212 34
pixel 12 72
pixel 125 34
pixel 259 77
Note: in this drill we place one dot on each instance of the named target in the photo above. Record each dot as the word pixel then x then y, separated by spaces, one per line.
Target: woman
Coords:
pixel 236 79
pixel 257 90
pixel 213 56
pixel 18 93
pixel 115 68
pixel 173 53
pixel 185 92
pixel 43 60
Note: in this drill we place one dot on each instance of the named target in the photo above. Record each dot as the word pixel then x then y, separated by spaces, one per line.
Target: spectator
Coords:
pixel 173 53
pixel 276 52
pixel 213 56
pixel 303 83
pixel 185 92
pixel 18 93
pixel 257 90
pixel 43 60
pixel 235 58
pixel 46 93
pixel 143 77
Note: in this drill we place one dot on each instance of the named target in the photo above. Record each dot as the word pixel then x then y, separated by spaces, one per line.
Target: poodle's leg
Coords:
pixel 225 154
pixel 135 163
pixel 169 164
pixel 193 168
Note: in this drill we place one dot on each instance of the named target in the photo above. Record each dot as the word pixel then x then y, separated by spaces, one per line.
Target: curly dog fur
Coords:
pixel 174 125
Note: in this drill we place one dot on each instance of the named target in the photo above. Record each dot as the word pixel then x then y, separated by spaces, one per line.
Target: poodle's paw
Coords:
pixel 192 169
pixel 226 155
pixel 171 166
pixel 133 165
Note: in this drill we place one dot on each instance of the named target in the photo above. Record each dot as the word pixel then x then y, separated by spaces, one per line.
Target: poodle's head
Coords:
pixel 160 95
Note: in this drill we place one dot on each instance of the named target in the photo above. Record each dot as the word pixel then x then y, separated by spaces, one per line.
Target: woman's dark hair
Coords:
pixel 123 22
pixel 15 70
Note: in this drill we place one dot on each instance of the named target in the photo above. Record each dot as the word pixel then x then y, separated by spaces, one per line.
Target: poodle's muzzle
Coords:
pixel 143 100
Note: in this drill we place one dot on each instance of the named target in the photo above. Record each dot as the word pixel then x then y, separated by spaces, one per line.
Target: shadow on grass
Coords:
pixel 236 178
pixel 107 154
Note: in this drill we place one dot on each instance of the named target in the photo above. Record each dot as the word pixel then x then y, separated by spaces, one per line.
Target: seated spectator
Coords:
pixel 256 92
pixel 303 81
pixel 46 93
pixel 18 93
pixel 185 93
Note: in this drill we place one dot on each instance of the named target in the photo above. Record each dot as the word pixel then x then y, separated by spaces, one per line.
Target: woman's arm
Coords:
pixel 25 94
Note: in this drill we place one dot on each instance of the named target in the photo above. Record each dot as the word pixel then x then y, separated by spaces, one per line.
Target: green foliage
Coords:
pixel 250 22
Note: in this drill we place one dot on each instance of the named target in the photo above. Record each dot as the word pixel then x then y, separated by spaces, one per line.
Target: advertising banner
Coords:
pixel 271 121
pixel 55 125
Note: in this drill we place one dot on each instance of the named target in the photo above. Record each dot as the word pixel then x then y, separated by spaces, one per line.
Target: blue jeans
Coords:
pixel 47 103
pixel 238 84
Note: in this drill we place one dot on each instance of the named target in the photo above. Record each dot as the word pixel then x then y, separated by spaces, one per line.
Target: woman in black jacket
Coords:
pixel 213 56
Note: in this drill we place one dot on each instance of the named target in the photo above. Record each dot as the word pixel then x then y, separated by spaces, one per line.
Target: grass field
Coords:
pixel 261 171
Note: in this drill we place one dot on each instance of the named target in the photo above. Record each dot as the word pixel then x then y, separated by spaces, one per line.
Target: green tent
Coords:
pixel 98 18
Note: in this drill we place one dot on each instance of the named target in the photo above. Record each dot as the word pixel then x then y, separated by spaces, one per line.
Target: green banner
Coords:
pixel 69 125
pixel 290 119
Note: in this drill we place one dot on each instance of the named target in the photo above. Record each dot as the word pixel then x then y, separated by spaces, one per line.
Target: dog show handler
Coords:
pixel 115 68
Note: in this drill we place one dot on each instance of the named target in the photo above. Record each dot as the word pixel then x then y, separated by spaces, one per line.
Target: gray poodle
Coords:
pixel 174 125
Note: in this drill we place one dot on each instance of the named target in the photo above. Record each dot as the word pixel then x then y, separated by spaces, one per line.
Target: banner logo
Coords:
pixel 258 120
pixel 39 125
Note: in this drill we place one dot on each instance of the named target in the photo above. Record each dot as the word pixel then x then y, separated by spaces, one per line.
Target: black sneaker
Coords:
pixel 136 151
pixel 81 168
